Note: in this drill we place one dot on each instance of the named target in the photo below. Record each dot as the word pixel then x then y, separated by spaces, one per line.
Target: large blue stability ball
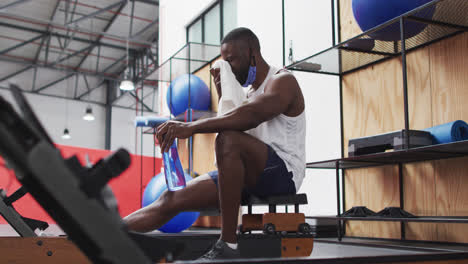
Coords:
pixel 200 98
pixel 371 13
pixel 180 222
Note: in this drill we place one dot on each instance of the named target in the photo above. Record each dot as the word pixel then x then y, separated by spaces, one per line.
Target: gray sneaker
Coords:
pixel 221 250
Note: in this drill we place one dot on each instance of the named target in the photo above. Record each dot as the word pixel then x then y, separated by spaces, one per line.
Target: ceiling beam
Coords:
pixel 140 102
pixel 150 2
pixel 63 97
pixel 53 82
pixel 98 40
pixel 36 57
pixel 55 34
pixel 146 28
pixel 105 70
pixel 15 73
pixel 73 28
pixel 13 4
pixel 104 75
pixel 93 14
pixel 24 43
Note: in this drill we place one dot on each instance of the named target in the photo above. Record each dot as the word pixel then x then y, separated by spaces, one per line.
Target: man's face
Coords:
pixel 237 55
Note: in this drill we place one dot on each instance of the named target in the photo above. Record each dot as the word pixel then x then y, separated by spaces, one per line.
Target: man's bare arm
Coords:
pixel 275 100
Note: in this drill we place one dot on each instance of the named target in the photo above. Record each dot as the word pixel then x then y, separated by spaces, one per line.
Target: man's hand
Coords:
pixel 170 130
pixel 217 80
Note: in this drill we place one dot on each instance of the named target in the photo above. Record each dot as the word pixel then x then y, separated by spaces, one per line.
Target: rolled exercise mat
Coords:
pixel 449 132
pixel 149 121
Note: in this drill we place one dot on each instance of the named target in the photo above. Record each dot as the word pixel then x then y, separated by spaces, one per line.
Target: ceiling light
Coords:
pixel 89 114
pixel 66 134
pixel 127 85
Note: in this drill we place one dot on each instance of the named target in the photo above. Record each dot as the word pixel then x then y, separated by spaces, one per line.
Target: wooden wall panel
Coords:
pixel 373 101
pixel 204 74
pixel 204 147
pixel 183 150
pixel 437 91
pixel 373 104
pixel 349 27
pixel 452 197
pixel 375 188
pixel 203 144
pixel 418 178
pixel 420 199
pixel 449 77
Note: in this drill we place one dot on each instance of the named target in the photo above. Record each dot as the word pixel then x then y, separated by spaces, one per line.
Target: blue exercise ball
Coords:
pixel 371 13
pixel 153 190
pixel 200 97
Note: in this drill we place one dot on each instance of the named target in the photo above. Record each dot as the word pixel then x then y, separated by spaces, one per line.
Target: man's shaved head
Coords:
pixel 243 35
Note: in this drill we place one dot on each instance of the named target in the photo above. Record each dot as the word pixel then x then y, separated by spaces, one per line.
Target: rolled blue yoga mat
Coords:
pixel 449 132
pixel 149 121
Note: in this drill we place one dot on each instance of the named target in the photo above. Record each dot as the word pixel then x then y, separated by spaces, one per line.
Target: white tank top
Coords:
pixel 285 134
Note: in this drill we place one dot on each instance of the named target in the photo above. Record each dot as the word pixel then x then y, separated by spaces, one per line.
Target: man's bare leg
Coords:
pixel 200 193
pixel 241 159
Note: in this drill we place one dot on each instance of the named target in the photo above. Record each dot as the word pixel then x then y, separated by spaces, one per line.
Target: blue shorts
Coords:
pixel 275 179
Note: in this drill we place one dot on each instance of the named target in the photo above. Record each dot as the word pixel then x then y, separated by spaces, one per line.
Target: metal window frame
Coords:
pixel 202 18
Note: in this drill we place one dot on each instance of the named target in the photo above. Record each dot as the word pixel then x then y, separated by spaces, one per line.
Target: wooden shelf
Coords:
pixel 363 50
pixel 433 152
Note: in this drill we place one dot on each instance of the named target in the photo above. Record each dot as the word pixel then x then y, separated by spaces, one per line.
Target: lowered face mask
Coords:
pixel 251 76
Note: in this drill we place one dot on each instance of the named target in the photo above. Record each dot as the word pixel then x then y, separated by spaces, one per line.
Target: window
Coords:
pixel 229 15
pixel 214 23
pixel 195 32
pixel 212 34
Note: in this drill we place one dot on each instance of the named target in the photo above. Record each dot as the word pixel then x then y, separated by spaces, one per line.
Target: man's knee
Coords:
pixel 227 142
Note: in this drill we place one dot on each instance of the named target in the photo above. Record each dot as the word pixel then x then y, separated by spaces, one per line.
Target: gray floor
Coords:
pixel 323 248
pixel 53 230
pixel 327 250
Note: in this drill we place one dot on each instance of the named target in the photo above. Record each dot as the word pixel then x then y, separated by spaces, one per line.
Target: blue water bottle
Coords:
pixel 175 178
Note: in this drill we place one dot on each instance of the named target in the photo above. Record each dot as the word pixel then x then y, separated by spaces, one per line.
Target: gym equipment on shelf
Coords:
pixel 180 222
pixel 394 140
pixel 177 96
pixel 371 13
pixel 449 132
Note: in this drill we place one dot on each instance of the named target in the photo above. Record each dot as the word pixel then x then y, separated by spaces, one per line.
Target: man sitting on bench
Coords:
pixel 260 148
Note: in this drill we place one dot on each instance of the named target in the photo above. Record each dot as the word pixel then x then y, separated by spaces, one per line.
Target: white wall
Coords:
pixel 174 16
pixel 263 17
pixel 308 25
pixel 52 114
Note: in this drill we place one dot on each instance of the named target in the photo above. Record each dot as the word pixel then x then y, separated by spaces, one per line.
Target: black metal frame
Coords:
pixel 68 31
pixel 12 216
pixel 428 153
pixel 201 18
pixel 190 112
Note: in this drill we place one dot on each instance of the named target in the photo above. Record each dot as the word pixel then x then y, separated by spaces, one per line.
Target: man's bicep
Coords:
pixel 275 100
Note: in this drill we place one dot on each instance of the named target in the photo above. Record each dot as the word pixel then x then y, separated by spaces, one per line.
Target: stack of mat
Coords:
pixel 449 132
